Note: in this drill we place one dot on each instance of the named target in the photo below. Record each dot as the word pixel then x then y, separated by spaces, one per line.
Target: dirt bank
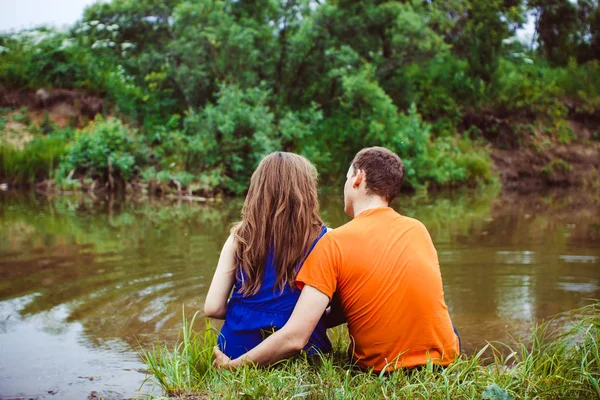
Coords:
pixel 528 157
pixel 62 107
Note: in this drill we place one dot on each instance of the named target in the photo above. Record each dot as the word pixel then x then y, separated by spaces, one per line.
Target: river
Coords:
pixel 85 282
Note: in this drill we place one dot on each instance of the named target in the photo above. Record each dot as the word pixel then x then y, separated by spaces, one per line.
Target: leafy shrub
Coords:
pixel 232 135
pixel 442 161
pixel 527 87
pixel 44 57
pixel 105 147
pixel 170 148
pixel 581 84
pixel 368 117
pixel 441 87
pixel 556 167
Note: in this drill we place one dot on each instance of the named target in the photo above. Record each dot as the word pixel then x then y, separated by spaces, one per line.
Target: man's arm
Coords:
pixel 288 340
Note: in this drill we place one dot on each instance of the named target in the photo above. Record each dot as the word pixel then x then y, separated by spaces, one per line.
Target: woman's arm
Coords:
pixel 215 305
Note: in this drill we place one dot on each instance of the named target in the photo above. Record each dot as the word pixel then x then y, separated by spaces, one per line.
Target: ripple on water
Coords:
pixel 43 352
pixel 579 287
pixel 516 257
pixel 578 259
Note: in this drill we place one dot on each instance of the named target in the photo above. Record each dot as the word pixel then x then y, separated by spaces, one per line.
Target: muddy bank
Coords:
pixel 526 169
pixel 62 106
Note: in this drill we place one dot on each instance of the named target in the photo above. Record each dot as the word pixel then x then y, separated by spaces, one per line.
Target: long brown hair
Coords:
pixel 281 212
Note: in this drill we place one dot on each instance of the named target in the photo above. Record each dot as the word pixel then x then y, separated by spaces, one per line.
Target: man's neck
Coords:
pixel 369 203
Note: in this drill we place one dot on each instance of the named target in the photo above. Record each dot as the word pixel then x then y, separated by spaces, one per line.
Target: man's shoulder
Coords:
pixel 354 228
pixel 413 226
pixel 341 231
pixel 411 222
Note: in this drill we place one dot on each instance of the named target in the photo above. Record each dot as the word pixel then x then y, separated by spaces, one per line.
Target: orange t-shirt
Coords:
pixel 385 268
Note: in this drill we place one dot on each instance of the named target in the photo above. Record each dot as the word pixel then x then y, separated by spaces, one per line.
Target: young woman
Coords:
pixel 260 259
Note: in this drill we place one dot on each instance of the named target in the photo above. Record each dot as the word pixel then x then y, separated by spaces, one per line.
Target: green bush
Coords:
pixel 581 85
pixel 363 116
pixel 14 57
pixel 443 161
pixel 367 117
pixel 528 87
pixel 44 57
pixel 105 147
pixel 442 88
pixel 170 147
pixel 556 167
pixel 232 135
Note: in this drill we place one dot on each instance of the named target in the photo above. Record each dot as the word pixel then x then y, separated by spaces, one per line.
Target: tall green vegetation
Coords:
pixel 552 363
pixel 31 164
pixel 216 84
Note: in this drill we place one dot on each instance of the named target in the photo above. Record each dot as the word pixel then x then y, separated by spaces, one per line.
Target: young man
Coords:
pixel 385 270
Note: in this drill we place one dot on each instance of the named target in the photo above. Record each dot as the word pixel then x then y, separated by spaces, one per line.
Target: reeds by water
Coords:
pixel 34 162
pixel 559 360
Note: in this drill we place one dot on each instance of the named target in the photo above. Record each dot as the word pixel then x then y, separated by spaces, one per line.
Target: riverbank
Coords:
pixel 559 359
pixel 50 141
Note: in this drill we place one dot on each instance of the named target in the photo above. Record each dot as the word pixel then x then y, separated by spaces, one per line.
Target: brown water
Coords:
pixel 82 281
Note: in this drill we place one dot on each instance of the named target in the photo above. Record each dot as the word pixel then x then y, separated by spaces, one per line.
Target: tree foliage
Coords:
pixel 213 85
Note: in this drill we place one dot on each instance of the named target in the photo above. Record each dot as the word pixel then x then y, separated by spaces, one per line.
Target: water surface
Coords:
pixel 84 282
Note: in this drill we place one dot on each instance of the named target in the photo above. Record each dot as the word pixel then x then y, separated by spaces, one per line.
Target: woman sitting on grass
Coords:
pixel 260 259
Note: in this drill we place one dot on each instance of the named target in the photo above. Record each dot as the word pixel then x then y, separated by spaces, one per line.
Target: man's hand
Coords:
pixel 221 360
pixel 287 341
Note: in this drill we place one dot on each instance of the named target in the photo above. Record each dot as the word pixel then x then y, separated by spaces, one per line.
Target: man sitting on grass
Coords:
pixel 385 270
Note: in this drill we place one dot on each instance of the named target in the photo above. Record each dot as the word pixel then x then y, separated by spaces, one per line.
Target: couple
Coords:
pixel 285 267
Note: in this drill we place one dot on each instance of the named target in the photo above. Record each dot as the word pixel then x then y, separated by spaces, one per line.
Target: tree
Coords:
pixel 489 23
pixel 567 29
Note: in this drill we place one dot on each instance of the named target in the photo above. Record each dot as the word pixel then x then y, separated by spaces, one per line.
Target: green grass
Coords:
pixel 184 368
pixel 35 162
pixel 560 359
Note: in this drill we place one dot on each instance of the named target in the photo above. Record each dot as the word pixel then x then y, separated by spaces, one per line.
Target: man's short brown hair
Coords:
pixel 384 171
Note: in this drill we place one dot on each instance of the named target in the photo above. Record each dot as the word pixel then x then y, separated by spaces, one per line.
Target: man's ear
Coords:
pixel 358 179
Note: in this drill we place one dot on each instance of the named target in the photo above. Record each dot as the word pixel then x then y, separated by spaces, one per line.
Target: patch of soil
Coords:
pixel 61 106
pixel 16 133
pixel 62 114
pixel 528 169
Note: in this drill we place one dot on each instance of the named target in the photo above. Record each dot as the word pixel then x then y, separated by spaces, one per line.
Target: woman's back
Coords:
pixel 251 318
pixel 260 260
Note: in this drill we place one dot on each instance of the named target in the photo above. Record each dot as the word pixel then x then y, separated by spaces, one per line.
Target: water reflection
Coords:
pixel 517 266
pixel 107 274
pixel 142 260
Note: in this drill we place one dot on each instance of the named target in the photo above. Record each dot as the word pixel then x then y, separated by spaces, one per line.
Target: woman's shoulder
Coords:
pixel 230 243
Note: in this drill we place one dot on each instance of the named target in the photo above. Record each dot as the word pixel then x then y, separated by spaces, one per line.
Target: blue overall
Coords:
pixel 250 318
